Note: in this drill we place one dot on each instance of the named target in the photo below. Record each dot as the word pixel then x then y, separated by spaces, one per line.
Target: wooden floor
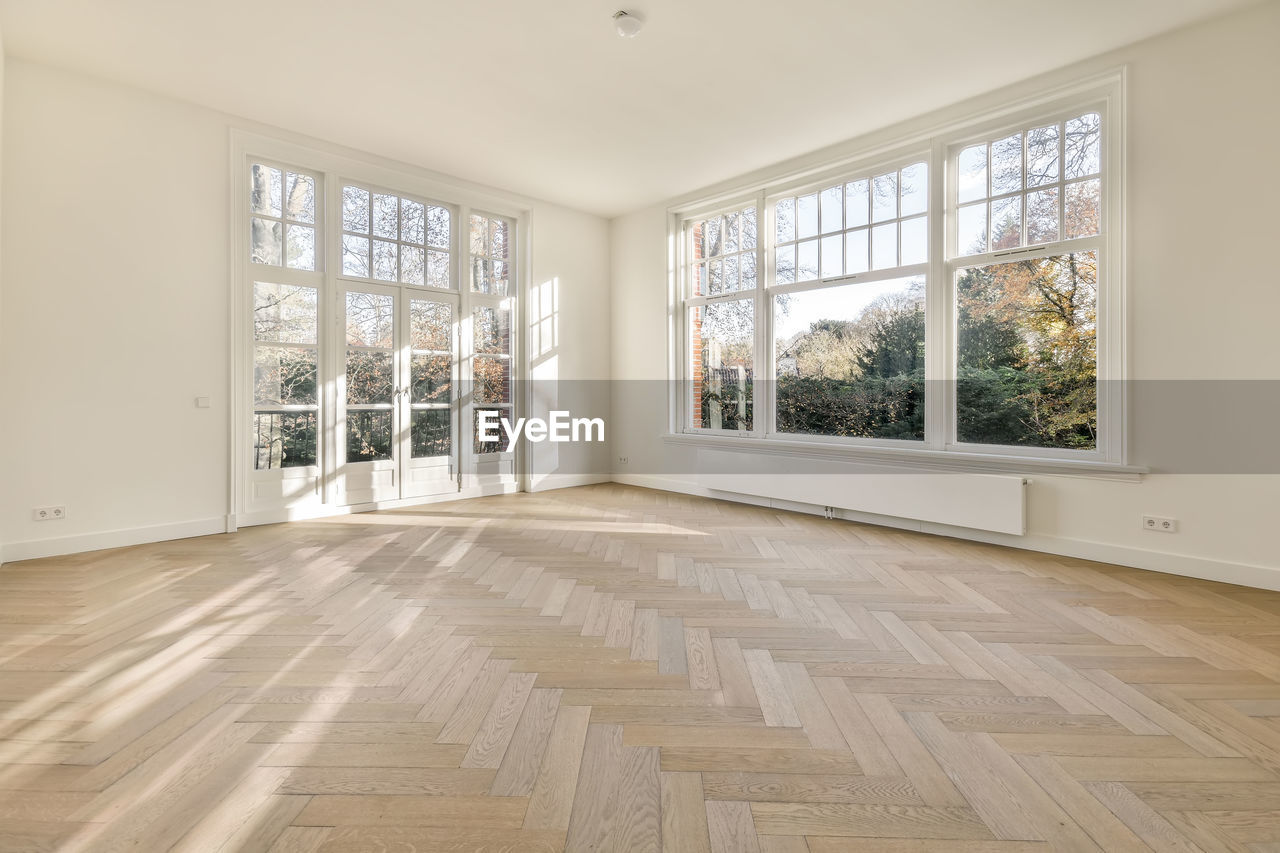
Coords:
pixel 616 669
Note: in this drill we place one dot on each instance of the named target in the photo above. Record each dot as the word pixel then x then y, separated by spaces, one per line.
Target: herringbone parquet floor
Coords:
pixel 616 669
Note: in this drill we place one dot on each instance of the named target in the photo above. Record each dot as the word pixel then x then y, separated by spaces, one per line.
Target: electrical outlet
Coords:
pixel 1160 524
pixel 49 513
pixel 623 460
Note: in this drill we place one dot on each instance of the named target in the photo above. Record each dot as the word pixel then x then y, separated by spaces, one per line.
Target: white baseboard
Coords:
pixel 1204 568
pixel 550 482
pixel 34 549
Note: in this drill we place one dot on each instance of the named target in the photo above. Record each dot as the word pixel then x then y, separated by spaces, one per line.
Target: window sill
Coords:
pixel 911 457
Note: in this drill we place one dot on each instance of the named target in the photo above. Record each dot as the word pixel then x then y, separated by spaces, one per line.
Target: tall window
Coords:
pixel 1026 339
pixel 284 264
pixel 880 319
pixel 848 301
pixel 490 242
pixel 374 326
pixel 723 264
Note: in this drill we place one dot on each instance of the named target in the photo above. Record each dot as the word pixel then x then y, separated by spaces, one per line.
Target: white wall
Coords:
pixel 1203 300
pixel 115 291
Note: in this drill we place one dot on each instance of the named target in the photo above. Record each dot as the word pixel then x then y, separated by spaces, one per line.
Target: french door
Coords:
pixel 398 411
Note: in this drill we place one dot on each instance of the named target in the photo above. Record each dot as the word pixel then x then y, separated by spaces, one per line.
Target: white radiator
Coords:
pixel 978 501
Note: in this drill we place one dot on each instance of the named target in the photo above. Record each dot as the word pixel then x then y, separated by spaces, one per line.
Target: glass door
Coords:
pixel 428 397
pixel 369 394
pixel 397 412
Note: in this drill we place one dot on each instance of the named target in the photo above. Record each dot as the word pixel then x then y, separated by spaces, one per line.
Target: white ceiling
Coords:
pixel 540 97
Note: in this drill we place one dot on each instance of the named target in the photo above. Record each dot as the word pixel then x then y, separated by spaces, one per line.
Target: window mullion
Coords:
pixel 939 348
pixel 763 391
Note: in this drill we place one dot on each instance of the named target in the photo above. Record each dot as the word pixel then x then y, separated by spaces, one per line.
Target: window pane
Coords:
pixel 384 260
pixel 884 197
pixel 884 246
pixel 368 436
pixel 496 413
pixel 386 216
pixel 438 227
pixel 492 330
pixel 301 247
pixel 807 261
pixel 1006 223
pixel 1084 145
pixel 355 255
pixel 722 338
pixel 1042 155
pixel 972 173
pixel 857 203
pixel 492 379
pixel 430 433
pixel 784 214
pixel 832 256
pixel 1084 208
pixel 355 210
pixel 369 319
pixel 499 239
pixel 264 247
pixel 438 269
pixel 850 360
pixel 748 222
pixel 915 240
pixel 482 275
pixel 413 265
pixel 971 228
pixel 807 216
pixel 748 268
pixel 284 312
pixel 284 439
pixel 785 265
pixel 713 239
pixel 1027 353
pixel 698 240
pixel 369 377
pixel 300 200
pixel 284 376
pixel 731 232
pixel 731 273
pixel 1042 216
pixel 264 190
pixel 430 325
pixel 831 209
pixel 915 189
pixel 430 380
pixel 1006 164
pixel 856 252
pixel 413 222
pixel 698 284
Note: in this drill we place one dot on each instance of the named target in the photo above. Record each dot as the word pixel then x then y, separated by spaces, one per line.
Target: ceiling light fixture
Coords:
pixel 627 24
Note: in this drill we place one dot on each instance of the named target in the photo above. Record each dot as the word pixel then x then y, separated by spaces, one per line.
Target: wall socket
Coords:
pixel 623 460
pixel 48 513
pixel 1160 524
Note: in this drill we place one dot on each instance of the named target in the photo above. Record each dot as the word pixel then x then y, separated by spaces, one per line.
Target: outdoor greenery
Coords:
pixel 1026 361
pixel 1027 353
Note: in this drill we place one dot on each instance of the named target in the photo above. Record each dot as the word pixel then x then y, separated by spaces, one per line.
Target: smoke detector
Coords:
pixel 627 24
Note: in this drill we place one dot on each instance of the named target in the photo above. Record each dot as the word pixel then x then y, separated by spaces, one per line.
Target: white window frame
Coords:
pixel 937 144
pixel 332 170
pixel 691 301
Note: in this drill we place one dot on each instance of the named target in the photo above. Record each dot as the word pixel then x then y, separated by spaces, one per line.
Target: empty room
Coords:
pixel 696 425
